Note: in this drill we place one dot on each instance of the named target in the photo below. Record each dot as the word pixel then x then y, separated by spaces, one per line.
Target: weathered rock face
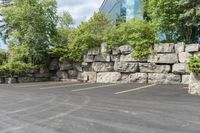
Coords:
pixel 134 77
pixel 73 73
pixel 102 67
pixel 88 58
pixel 77 67
pixel 180 47
pixel 108 77
pixel 153 68
pixel 115 51
pixel 54 65
pixel 163 58
pixel 194 84
pixel 159 78
pixel 130 58
pixel 62 74
pixel 26 79
pixel 164 48
pixel 180 68
pixel 65 66
pixel 185 79
pixel 90 77
pixel 184 57
pixel 101 58
pixel 125 49
pixel 125 67
pixel 192 48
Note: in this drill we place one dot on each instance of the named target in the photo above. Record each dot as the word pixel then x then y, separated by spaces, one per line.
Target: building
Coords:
pixel 126 9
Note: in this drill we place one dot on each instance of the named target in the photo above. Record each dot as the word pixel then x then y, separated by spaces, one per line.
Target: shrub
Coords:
pixel 139 34
pixel 194 64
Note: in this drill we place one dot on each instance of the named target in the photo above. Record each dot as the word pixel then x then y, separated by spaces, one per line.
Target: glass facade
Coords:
pixel 122 8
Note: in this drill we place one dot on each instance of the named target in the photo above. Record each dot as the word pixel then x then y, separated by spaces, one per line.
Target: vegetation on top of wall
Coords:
pixel 194 65
pixel 139 34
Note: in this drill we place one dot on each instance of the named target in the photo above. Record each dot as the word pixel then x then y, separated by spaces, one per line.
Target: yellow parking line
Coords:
pixel 135 89
pixel 54 87
pixel 95 87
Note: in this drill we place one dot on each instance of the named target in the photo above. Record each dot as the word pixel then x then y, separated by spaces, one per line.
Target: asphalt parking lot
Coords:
pixel 51 107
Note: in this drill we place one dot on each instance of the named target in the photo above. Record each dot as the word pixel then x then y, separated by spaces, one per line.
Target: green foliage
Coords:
pixel 137 33
pixel 15 68
pixel 30 24
pixel 194 64
pixel 2 56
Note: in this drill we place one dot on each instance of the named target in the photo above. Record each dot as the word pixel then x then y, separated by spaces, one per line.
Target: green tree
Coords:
pixel 3 56
pixel 30 24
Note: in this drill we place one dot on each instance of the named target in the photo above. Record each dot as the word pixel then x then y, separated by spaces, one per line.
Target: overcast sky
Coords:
pixel 80 10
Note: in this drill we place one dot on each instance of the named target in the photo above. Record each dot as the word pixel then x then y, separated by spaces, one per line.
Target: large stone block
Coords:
pixel 158 78
pixel 126 67
pixel 163 58
pixel 185 79
pixel 102 67
pixel 88 58
pixel 65 66
pixel 93 51
pixel 125 49
pixel 130 58
pixel 90 77
pixel 134 77
pixel 164 48
pixel 194 84
pixel 72 73
pixel 153 68
pixel 180 47
pixel 184 57
pixel 180 68
pixel 115 51
pixel 54 65
pixel 62 74
pixel 108 77
pixel 77 67
pixel 115 58
pixel 192 48
pixel 101 58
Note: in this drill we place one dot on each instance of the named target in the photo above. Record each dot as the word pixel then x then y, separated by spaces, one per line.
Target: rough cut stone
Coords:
pixel 72 73
pixel 65 66
pixel 180 68
pixel 180 47
pixel 77 67
pixel 164 48
pixel 134 77
pixel 26 79
pixel 185 79
pixel 115 58
pixel 88 58
pixel 101 58
pixel 184 57
pixel 54 65
pixel 125 49
pixel 102 67
pixel 62 74
pixel 130 58
pixel 42 75
pixel 192 48
pixel 93 51
pixel 104 48
pixel 115 51
pixel 163 58
pixel 108 77
pixel 159 78
pixel 153 68
pixel 90 77
pixel 194 84
pixel 126 67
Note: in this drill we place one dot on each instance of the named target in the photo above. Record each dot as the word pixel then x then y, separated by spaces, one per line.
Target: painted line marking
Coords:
pixel 135 89
pixel 32 85
pixel 95 87
pixel 69 85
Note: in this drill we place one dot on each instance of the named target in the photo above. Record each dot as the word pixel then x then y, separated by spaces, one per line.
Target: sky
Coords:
pixel 81 10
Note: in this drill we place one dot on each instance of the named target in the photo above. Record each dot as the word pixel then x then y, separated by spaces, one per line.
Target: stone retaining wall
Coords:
pixel 168 66
pixel 194 84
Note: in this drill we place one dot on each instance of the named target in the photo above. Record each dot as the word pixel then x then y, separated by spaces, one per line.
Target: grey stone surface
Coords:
pixel 180 68
pixel 115 51
pixel 125 49
pixel 62 74
pixel 102 67
pixel 153 68
pixel 164 48
pixel 65 65
pixel 77 67
pixel 108 77
pixel 194 84
pixel 54 65
pixel 88 58
pixel 115 58
pixel 180 47
pixel 196 54
pixel 90 77
pixel 26 79
pixel 93 51
pixel 185 79
pixel 184 57
pixel 130 58
pixel 42 75
pixel 159 78
pixel 163 58
pixel 72 73
pixel 192 47
pixel 102 58
pixel 126 67
pixel 134 77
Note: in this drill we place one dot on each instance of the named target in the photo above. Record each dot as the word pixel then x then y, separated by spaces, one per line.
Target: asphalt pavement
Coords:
pixel 59 107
